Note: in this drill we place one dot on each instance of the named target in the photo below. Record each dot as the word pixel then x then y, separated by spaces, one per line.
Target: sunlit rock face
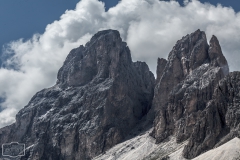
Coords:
pixel 100 95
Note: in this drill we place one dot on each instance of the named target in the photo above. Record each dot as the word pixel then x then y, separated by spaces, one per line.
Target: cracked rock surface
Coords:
pixel 192 99
pixel 100 95
pixel 102 98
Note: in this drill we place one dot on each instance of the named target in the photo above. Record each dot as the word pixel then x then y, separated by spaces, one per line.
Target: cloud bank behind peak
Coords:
pixel 150 27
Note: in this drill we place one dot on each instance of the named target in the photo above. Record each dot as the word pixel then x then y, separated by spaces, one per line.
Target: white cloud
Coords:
pixel 150 27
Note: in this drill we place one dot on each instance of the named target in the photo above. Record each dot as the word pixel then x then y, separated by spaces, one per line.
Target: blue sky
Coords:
pixel 23 18
pixel 49 32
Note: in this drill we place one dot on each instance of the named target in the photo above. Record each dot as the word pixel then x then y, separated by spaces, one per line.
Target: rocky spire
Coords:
pixel 188 53
pixel 186 86
pixel 216 55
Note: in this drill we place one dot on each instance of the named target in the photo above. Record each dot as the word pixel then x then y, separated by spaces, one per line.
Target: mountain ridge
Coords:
pixel 101 98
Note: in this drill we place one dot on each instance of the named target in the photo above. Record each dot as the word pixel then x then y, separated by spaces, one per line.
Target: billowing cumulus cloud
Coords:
pixel 150 27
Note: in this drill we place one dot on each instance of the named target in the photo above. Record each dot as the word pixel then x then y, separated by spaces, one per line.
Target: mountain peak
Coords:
pixel 183 94
pixel 102 97
pixel 106 32
pixel 216 55
pixel 100 58
pixel 99 97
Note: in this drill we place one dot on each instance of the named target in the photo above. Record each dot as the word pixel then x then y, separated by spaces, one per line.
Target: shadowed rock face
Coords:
pixel 216 55
pixel 99 97
pixel 220 121
pixel 188 53
pixel 184 95
pixel 161 64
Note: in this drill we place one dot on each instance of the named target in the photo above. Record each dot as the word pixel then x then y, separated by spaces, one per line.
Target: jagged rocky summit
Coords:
pixel 101 96
pixel 191 101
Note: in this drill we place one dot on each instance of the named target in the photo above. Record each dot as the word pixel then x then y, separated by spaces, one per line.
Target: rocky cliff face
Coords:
pixel 220 121
pixel 189 53
pixel 185 99
pixel 100 95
